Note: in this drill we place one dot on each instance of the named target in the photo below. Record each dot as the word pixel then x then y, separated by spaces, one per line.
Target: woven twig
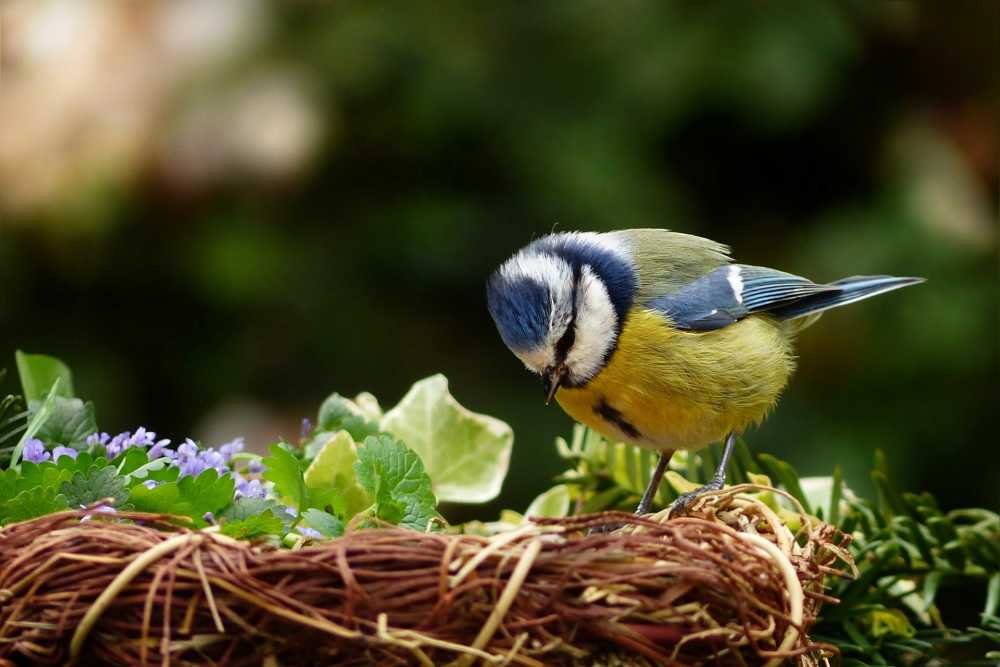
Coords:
pixel 727 584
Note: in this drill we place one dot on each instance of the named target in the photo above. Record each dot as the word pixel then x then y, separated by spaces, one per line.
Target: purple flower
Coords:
pixel 255 466
pixel 142 438
pixel 306 531
pixel 231 448
pixel 248 488
pixel 98 439
pixel 160 449
pixel 63 451
pixel 150 484
pixel 209 518
pixel 104 509
pixel 34 451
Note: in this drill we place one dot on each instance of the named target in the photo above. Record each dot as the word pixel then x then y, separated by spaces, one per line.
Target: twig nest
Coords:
pixel 728 583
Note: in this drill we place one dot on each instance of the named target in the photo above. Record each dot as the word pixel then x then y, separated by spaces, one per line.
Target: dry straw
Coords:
pixel 726 585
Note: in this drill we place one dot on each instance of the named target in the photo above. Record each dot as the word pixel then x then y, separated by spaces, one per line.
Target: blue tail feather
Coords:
pixel 848 290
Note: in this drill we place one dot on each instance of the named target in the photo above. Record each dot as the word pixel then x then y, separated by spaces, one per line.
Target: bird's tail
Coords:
pixel 847 291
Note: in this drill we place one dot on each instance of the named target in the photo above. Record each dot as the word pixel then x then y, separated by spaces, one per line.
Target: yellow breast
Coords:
pixel 669 389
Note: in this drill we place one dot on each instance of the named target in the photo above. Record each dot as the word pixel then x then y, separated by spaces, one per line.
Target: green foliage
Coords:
pixel 39 373
pixel 38 417
pixel 194 497
pixel 284 470
pixel 333 469
pixel 394 476
pixel 68 424
pixel 87 488
pixel 324 522
pixel 466 454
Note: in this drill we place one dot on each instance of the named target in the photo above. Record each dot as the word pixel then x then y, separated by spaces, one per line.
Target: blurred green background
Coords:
pixel 219 212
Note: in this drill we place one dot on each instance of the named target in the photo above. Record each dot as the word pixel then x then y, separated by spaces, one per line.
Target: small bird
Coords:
pixel 656 338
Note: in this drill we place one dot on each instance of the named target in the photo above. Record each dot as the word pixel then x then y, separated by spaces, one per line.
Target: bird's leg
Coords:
pixel 715 484
pixel 654 484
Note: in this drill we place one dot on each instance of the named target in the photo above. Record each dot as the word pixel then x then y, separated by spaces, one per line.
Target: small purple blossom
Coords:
pixel 248 488
pixel 306 531
pixel 231 448
pixel 255 466
pixel 150 484
pixel 98 439
pixel 306 428
pixel 34 451
pixel 63 451
pixel 209 518
pixel 160 449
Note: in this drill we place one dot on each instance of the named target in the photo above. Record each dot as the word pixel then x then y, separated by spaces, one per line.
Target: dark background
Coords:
pixel 219 213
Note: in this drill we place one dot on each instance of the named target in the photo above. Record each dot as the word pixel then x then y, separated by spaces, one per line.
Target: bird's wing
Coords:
pixel 730 293
pixel 667 261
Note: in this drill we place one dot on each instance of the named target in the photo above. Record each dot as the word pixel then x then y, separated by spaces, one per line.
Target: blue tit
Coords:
pixel 656 338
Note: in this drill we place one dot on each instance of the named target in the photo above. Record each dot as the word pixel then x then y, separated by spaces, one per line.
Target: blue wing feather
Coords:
pixel 730 293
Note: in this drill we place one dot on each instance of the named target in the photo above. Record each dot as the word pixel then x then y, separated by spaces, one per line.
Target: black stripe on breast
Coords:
pixel 612 416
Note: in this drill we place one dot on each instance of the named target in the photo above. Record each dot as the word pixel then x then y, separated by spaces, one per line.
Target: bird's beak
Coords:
pixel 551 381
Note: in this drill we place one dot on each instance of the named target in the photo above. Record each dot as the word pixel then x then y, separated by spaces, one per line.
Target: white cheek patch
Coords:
pixel 736 282
pixel 596 327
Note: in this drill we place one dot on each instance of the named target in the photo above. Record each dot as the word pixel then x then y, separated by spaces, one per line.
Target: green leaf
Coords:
pixel 285 470
pixel 190 496
pixel 69 423
pixel 245 508
pixel 393 474
pixel 253 527
pixel 553 503
pixel 39 373
pixel 208 492
pixel 342 414
pixel 325 523
pixel 466 454
pixel 161 499
pixel 30 504
pixel 35 423
pixel 786 475
pixel 97 484
pixel 333 470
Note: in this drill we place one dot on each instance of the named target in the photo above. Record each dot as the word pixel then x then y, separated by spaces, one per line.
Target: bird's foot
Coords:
pixel 684 501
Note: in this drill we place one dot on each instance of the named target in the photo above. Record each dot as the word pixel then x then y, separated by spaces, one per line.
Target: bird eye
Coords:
pixel 566 342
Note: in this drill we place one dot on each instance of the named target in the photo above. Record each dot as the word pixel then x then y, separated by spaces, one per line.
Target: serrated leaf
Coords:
pixel 466 454
pixel 39 372
pixel 333 470
pixel 161 499
pixel 393 474
pixel 30 504
pixel 208 492
pixel 327 524
pixel 285 471
pixel 97 484
pixel 244 508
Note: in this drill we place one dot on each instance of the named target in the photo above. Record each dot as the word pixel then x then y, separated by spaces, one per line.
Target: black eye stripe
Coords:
pixel 566 341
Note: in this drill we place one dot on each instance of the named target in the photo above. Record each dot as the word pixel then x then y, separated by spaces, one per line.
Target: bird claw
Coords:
pixel 683 502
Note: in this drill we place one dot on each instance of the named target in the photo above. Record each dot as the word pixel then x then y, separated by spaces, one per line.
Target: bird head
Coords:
pixel 559 305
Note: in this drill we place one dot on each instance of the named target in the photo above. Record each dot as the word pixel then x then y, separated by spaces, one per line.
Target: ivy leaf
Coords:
pixel 325 523
pixel 30 504
pixel 70 422
pixel 552 503
pixel 39 372
pixel 333 470
pixel 466 454
pixel 285 470
pixel 393 474
pixel 97 484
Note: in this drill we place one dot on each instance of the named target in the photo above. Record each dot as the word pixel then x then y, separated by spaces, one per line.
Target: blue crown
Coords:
pixel 520 305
